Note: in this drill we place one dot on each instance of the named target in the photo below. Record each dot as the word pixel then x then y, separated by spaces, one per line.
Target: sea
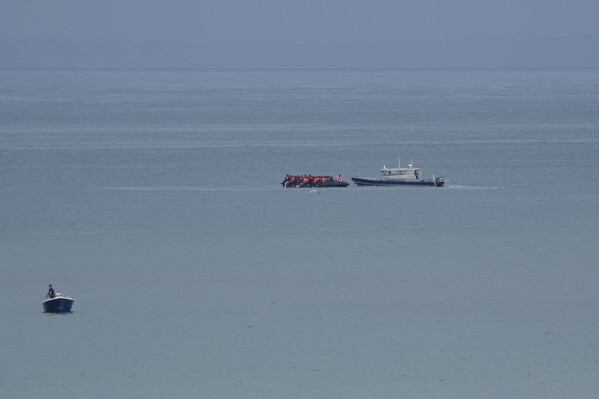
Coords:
pixel 153 198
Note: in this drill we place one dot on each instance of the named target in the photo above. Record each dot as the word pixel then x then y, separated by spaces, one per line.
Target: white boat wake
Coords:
pixel 455 187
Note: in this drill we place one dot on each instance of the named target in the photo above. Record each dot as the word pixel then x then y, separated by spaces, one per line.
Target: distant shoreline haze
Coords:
pixel 573 52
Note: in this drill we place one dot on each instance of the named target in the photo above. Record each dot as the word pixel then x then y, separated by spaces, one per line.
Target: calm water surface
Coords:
pixel 152 197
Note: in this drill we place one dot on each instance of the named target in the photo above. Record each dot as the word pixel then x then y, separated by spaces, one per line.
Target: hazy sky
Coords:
pixel 310 26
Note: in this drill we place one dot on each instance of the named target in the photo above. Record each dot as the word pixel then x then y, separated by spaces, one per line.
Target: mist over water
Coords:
pixel 153 198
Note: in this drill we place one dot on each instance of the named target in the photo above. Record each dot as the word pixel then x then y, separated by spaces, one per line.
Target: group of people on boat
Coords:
pixel 308 180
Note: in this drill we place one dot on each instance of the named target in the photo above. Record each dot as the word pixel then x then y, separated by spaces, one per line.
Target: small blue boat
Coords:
pixel 59 304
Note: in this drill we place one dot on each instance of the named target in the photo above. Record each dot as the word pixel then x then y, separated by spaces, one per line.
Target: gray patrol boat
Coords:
pixel 410 176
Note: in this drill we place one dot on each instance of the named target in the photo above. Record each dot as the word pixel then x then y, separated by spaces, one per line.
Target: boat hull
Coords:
pixel 368 181
pixel 58 305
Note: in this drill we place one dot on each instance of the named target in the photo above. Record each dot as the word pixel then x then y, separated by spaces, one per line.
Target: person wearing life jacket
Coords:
pixel 339 178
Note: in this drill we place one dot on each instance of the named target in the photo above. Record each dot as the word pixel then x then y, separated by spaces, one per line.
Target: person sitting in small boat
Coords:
pixel 339 178
pixel 50 293
pixel 289 180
